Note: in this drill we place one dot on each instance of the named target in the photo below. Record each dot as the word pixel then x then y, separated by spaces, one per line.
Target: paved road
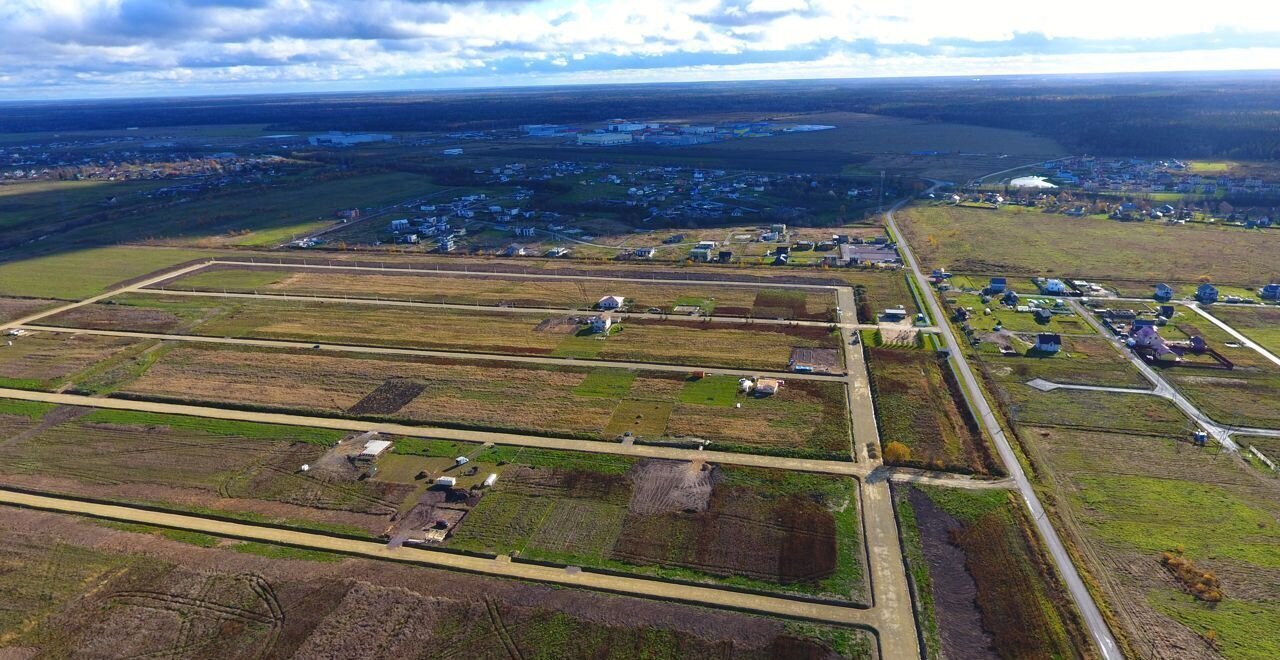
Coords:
pixel 1092 617
pixel 591 446
pixel 1162 386
pixel 636 586
pixel 383 302
pixel 1234 333
pixel 1211 427
pixel 466 355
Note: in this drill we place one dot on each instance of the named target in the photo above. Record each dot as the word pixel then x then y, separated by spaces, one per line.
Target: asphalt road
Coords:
pixel 1092 617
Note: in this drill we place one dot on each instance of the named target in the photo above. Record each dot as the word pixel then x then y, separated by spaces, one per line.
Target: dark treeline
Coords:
pixel 1233 115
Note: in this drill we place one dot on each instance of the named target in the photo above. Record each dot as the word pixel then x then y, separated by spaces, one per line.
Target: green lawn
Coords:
pixel 710 391
pixel 609 383
pixel 85 273
pixel 1261 324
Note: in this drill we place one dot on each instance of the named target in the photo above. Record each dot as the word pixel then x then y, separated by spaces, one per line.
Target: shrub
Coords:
pixel 896 452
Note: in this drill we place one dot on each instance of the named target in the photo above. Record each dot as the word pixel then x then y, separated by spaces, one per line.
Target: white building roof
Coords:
pixel 375 447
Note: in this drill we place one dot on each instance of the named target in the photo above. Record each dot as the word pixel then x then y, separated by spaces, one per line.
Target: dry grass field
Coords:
pixel 45 360
pixel 691 343
pixel 804 418
pixel 1020 241
pixel 580 294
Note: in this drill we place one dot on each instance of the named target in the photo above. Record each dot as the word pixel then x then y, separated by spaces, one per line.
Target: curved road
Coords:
pixel 1089 611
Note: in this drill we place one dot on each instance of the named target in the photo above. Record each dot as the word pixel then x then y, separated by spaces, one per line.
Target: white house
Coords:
pixel 601 323
pixel 611 302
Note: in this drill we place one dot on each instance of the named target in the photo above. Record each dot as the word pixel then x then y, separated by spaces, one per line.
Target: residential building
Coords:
pixel 997 285
pixel 611 302
pixel 1164 292
pixel 1054 288
pixel 1270 292
pixel 1047 342
pixel 1207 293
pixel 601 323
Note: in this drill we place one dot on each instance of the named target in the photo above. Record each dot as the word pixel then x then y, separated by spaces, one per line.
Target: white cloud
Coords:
pixel 122 47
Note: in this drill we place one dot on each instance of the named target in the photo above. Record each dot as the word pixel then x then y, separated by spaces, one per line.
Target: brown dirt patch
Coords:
pixel 389 397
pixel 671 486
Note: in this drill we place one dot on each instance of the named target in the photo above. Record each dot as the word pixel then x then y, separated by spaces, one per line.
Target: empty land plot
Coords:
pixel 496 290
pixel 1136 413
pixel 234 468
pixel 760 529
pixel 919 407
pixel 84 273
pixel 805 418
pixel 76 586
pixel 45 360
pixel 1082 361
pixel 1261 324
pixel 1004 603
pixel 1132 499
pixel 676 342
pixel 1240 397
pixel 1021 241
pixel 16 308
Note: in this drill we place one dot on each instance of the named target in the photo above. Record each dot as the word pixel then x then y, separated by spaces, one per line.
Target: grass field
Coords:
pixel 1018 241
pixel 31 203
pixel 1136 413
pixel 1082 361
pixel 42 360
pixel 1261 324
pixel 220 466
pixel 1064 322
pixel 918 407
pixel 665 342
pixel 85 273
pixel 805 418
pixel 521 292
pixel 1003 602
pixel 1133 498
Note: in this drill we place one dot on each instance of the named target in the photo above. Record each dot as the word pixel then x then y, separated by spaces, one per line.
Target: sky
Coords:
pixel 65 49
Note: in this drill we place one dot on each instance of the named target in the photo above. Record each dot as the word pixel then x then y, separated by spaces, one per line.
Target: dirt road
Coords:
pixel 776 605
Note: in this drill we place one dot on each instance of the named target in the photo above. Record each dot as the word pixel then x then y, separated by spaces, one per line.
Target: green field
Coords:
pixel 1019 241
pixel 1261 324
pixel 1134 498
pixel 85 273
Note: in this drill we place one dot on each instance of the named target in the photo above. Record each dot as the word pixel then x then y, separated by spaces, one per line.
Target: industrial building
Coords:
pixel 340 139
pixel 604 139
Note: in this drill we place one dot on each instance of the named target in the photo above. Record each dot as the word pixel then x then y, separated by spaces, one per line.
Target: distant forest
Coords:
pixel 1228 115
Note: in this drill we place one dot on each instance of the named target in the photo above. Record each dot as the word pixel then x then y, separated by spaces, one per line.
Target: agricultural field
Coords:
pixel 1088 360
pixel 1018 241
pixel 16 308
pixel 76 586
pixel 806 418
pixel 84 273
pixel 1184 536
pixel 238 469
pixel 1261 324
pixel 46 360
pixel 1003 604
pixel 922 409
pixel 746 527
pixel 559 293
pixel 693 343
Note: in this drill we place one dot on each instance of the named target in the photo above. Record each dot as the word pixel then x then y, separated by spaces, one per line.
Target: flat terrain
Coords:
pixel 1018 241
pixel 525 292
pixel 77 586
pixel 1243 395
pixel 16 308
pixel 805 418
pixel 1133 498
pixel 1261 324
pixel 979 577
pixel 42 360
pixel 237 469
pixel 694 343
pixel 917 406
pixel 79 274
pixel 1081 361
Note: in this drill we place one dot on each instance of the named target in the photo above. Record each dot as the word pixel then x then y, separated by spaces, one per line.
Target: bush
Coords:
pixel 896 452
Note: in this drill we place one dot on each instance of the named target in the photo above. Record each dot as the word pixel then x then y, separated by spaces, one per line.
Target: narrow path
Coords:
pixel 422 352
pixel 635 586
pixel 1089 612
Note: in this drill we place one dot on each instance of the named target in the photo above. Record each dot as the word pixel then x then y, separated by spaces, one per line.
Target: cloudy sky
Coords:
pixel 114 48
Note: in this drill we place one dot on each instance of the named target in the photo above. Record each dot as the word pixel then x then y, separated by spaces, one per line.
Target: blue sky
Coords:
pixel 120 48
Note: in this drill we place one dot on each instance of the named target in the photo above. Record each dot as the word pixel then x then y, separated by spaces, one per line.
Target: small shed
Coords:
pixel 447 482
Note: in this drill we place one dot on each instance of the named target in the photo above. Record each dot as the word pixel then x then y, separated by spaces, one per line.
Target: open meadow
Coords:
pixel 980 578
pixel 79 274
pixel 1017 241
pixel 77 586
pixel 1261 324
pixel 1182 538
